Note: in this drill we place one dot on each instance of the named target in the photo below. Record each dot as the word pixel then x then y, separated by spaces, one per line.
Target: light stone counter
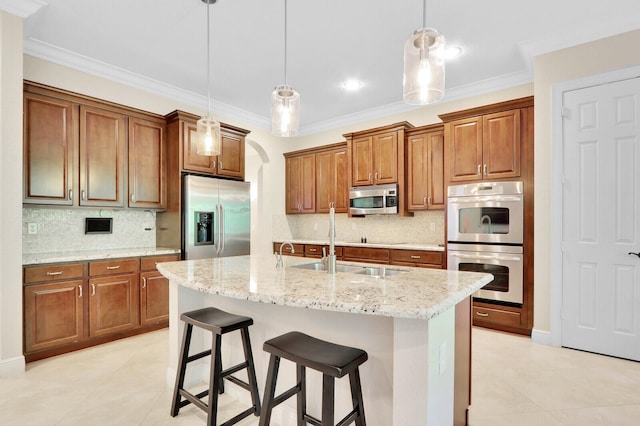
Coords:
pixel 401 246
pixel 84 255
pixel 405 322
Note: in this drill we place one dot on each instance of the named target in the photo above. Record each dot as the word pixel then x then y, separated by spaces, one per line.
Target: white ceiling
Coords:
pixel 160 45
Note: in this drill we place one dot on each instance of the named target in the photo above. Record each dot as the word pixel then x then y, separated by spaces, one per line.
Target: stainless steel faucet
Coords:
pixel 279 263
pixel 331 258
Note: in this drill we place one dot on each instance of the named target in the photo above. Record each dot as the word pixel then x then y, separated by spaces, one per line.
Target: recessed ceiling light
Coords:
pixel 452 52
pixel 351 85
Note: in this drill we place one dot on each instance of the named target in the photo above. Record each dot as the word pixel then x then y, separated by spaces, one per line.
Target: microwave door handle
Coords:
pixel 484 256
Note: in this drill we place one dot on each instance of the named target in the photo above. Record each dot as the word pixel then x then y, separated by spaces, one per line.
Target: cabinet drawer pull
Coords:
pixel 54 273
pixel 479 170
pixel 144 282
pixel 369 177
pixel 83 195
pixel 80 292
pixel 413 256
pixel 312 249
pixel 429 201
pixel 93 289
pixel 71 194
pixel 482 314
pixel 133 198
pixel 113 267
pixel 485 169
pixel 220 165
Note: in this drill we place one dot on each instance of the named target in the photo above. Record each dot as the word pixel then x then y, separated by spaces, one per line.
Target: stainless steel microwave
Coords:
pixel 374 199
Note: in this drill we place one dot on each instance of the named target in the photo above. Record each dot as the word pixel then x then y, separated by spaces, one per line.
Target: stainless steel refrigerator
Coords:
pixel 216 217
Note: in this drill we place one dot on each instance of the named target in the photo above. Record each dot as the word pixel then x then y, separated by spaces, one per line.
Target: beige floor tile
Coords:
pixel 539 418
pixel 624 415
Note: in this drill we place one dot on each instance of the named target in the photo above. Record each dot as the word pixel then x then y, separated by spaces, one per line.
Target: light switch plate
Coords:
pixel 32 228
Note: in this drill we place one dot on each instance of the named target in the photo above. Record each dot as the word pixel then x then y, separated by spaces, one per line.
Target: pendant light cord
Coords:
pixel 285 42
pixel 424 13
pixel 208 65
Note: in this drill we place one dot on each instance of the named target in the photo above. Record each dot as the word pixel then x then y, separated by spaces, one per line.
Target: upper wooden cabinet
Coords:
pixel 50 150
pixel 102 152
pixel 332 185
pixel 485 143
pixel 147 164
pixel 425 168
pixel 375 159
pixel 230 162
pixel 77 151
pixel 300 183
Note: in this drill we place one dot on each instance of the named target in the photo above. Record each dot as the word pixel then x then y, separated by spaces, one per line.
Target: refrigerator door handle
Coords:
pixel 221 222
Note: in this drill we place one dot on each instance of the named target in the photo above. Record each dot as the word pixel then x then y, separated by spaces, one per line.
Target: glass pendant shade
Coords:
pixel 285 111
pixel 208 136
pixel 424 56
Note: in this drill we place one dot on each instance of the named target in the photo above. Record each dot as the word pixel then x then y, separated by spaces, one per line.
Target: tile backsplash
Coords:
pixel 62 230
pixel 422 228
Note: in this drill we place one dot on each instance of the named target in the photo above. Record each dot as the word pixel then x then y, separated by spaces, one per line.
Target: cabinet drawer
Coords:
pixel 312 250
pixel 299 249
pixel 109 267
pixel 62 271
pixel 497 316
pixel 417 256
pixel 149 263
pixel 366 254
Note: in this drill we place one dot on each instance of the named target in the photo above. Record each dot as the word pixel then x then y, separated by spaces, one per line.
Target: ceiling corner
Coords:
pixel 21 8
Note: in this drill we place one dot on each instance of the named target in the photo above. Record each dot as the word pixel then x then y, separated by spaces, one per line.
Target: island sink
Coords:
pixel 380 272
pixel 319 266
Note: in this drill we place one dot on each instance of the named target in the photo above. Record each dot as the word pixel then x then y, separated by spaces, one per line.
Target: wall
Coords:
pixel 568 64
pixel 11 359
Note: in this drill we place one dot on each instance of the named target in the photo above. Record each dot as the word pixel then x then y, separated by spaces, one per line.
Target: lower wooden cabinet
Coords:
pixel 75 305
pixel 417 258
pixel 487 314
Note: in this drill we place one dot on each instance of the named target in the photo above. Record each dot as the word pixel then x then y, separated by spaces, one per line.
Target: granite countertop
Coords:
pixel 418 293
pixel 79 256
pixel 401 246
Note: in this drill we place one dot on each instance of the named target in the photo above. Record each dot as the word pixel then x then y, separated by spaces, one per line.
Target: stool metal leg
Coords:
pixel 356 396
pixel 302 395
pixel 182 367
pixel 251 371
pixel 214 380
pixel 269 390
pixel 328 394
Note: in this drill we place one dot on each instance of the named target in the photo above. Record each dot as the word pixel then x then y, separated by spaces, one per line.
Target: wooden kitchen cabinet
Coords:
pixel 50 150
pixel 298 249
pixel 332 185
pixel 375 159
pixel 113 296
pixel 417 258
pixel 53 306
pixel 365 254
pixel 425 168
pixel 486 146
pixel 154 291
pixel 300 183
pixel 147 164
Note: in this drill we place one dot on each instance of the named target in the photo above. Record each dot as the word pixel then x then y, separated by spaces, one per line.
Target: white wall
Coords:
pixel 568 64
pixel 11 359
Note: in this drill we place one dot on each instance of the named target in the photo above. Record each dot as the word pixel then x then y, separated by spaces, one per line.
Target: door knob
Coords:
pixel 635 254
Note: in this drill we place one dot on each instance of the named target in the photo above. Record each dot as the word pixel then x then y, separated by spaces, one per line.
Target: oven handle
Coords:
pixel 484 256
pixel 467 200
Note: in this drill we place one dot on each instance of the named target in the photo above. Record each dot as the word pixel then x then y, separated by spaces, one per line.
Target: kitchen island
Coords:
pixel 406 322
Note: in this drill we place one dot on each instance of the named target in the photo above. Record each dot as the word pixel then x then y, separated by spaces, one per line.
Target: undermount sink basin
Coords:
pixel 318 266
pixel 380 272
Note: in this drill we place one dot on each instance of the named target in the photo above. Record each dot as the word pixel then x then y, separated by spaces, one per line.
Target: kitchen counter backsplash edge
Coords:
pixel 401 246
pixel 78 256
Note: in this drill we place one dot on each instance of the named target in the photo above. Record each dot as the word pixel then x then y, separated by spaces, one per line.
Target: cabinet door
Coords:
pixel 50 135
pixel 231 158
pixel 362 166
pixel 464 140
pixel 324 181
pixel 147 164
pixel 293 178
pixel 113 304
pixel 385 158
pixel 53 314
pixel 341 184
pixel 191 160
pixel 301 184
pixel 154 298
pixel 501 145
pixel 102 155
pixel 417 171
pixel 436 196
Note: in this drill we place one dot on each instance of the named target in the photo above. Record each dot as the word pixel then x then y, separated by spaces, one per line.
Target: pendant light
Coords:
pixel 285 101
pixel 424 55
pixel 207 128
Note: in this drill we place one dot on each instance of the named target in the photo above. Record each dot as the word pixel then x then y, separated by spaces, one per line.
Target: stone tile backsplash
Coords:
pixel 422 228
pixel 62 230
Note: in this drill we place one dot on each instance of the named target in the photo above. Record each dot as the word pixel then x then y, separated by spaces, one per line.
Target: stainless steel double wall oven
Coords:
pixel 485 229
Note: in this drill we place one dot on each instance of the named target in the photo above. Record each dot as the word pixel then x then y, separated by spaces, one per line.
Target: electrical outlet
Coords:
pixel 32 228
pixel 432 226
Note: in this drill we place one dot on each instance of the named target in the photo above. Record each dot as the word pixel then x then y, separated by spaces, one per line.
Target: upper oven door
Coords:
pixel 494 219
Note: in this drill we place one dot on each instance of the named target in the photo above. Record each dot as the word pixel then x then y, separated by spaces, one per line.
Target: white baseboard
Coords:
pixel 12 367
pixel 541 337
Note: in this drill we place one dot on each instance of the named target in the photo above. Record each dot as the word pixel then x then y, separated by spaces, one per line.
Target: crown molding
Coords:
pixel 21 8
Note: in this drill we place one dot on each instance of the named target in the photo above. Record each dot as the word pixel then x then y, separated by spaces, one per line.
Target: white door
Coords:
pixel 601 219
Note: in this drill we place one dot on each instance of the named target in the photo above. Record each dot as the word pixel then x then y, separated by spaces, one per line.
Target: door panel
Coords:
pixel 601 219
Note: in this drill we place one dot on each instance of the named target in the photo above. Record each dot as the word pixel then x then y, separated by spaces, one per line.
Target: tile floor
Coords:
pixel 515 382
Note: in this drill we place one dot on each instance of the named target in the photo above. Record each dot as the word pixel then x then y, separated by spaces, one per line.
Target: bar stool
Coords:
pixel 219 323
pixel 332 360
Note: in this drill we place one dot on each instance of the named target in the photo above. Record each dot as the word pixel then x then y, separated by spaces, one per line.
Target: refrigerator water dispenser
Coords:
pixel 204 228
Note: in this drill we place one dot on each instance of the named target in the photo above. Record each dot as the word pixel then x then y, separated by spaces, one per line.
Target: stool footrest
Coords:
pixel 233 369
pixel 312 420
pixel 193 399
pixel 286 395
pixel 198 356
pixel 239 382
pixel 349 417
pixel 236 419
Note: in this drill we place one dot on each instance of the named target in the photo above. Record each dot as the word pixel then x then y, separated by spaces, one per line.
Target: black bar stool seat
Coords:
pixel 218 323
pixel 332 360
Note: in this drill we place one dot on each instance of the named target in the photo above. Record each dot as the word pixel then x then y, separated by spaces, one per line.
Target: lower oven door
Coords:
pixel 505 263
